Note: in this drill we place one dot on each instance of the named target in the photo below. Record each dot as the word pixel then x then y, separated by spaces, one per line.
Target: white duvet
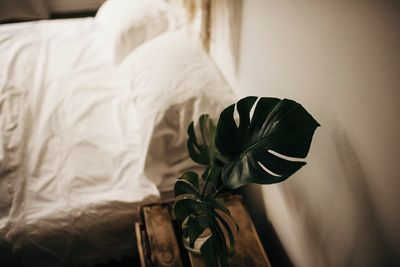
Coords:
pixel 83 142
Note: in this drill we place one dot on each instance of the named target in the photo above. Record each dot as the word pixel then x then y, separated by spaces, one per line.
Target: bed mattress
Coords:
pixel 84 142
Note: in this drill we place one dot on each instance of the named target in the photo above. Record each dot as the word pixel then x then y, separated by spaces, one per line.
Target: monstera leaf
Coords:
pixel 201 146
pixel 202 149
pixel 266 147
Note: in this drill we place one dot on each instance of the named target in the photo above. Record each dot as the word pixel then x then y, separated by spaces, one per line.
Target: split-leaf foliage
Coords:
pixel 266 144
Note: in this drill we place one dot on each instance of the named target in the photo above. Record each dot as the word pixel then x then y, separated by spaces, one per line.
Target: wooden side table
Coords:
pixel 159 239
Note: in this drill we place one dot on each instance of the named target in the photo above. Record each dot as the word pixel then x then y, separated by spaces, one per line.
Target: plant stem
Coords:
pixel 212 173
pixel 205 185
pixel 217 192
pixel 222 158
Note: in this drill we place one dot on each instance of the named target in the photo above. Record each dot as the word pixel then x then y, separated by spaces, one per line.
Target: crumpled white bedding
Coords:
pixel 83 142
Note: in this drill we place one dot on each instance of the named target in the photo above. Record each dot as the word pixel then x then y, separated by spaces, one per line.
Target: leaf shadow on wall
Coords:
pixel 356 179
pixel 357 220
pixel 254 201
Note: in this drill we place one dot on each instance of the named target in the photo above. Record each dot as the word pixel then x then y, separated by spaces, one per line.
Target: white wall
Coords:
pixel 341 60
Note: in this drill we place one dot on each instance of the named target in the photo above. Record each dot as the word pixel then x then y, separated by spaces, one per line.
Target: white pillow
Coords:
pixel 125 24
pixel 170 68
pixel 172 82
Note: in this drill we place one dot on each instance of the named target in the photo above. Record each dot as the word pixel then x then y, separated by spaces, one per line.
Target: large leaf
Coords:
pixel 257 150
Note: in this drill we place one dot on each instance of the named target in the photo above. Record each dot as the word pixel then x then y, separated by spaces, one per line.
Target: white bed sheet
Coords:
pixel 83 142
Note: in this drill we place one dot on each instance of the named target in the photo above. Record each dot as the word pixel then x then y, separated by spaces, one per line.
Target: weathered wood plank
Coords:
pixel 249 250
pixel 139 243
pixel 161 236
pixel 196 260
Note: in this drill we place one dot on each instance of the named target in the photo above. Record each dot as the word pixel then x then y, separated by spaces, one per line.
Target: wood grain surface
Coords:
pixel 161 237
pixel 159 240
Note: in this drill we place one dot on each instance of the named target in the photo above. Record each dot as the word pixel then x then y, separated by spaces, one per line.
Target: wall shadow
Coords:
pixel 364 219
pixel 254 202
pixel 352 182
pixel 356 182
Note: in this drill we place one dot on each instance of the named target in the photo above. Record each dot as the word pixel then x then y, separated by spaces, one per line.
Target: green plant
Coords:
pixel 256 150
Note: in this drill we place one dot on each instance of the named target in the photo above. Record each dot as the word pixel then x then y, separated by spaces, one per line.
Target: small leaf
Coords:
pixel 215 204
pixel 185 207
pixel 197 152
pixel 219 237
pixel 213 175
pixel 185 223
pixel 204 129
pixel 201 146
pixel 209 252
pixel 196 227
pixel 183 187
pixel 192 178
pixel 229 232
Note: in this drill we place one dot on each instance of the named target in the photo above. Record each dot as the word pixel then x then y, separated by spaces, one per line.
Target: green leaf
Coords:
pixel 183 187
pixel 257 149
pixel 205 122
pixel 188 184
pixel 192 178
pixel 199 215
pixel 229 232
pixel 209 252
pixel 196 227
pixel 201 146
pixel 197 152
pixel 185 207
pixel 185 224
pixel 212 204
pixel 212 175
pixel 219 238
pixel 215 204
